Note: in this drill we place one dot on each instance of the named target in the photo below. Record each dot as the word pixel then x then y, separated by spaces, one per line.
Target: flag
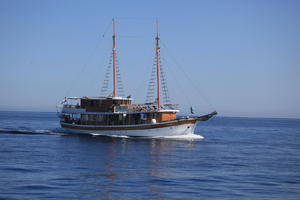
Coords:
pixel 192 110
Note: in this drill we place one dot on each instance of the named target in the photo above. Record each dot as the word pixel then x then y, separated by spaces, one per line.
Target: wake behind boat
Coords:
pixel 115 115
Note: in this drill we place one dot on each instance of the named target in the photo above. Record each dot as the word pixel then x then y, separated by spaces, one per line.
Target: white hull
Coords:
pixel 184 129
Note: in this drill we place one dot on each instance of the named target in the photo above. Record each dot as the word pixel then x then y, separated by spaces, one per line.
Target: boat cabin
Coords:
pixel 105 104
pixel 113 111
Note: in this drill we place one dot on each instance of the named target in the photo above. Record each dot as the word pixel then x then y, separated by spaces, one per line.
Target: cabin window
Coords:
pixel 121 108
pixel 93 103
pixel 120 117
pixel 143 116
pixel 92 117
pixel 84 117
pixel 99 117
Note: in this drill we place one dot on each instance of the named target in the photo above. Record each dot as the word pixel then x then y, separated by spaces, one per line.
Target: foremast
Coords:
pixel 114 59
pixel 157 54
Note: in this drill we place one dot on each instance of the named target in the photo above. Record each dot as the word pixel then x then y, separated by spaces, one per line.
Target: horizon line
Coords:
pixel 184 114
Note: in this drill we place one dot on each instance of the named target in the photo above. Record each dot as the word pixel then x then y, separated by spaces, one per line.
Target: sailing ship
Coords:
pixel 118 116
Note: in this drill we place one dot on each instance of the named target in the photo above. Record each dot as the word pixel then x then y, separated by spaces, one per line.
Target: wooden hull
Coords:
pixel 171 128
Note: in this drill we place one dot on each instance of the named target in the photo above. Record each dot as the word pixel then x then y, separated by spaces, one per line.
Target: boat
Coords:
pixel 118 116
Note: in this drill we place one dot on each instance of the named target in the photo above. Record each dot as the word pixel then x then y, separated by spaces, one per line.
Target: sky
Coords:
pixel 239 57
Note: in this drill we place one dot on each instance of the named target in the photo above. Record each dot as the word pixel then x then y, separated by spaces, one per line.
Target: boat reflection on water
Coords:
pixel 128 165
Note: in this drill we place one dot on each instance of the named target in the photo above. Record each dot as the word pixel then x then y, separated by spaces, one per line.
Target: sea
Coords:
pixel 227 158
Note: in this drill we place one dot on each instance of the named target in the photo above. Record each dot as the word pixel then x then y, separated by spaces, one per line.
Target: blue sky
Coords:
pixel 241 58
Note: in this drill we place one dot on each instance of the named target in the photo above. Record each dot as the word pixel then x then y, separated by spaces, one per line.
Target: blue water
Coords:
pixel 239 158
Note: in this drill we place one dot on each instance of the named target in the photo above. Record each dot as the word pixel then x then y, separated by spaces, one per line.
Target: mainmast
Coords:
pixel 114 58
pixel 157 53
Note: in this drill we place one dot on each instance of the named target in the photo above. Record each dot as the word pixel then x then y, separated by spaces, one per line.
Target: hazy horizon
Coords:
pixel 181 113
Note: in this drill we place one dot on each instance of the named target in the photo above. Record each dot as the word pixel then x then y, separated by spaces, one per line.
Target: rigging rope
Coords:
pixel 187 77
pixel 183 92
pixel 88 58
pixel 78 77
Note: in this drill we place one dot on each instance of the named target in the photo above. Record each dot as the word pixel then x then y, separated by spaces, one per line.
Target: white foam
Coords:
pixel 182 137
pixel 42 131
pixel 28 131
pixel 52 132
pixel 117 136
pixel 176 137
pixel 59 132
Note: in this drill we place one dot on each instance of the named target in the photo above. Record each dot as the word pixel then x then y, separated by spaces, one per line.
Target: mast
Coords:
pixel 114 59
pixel 157 53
